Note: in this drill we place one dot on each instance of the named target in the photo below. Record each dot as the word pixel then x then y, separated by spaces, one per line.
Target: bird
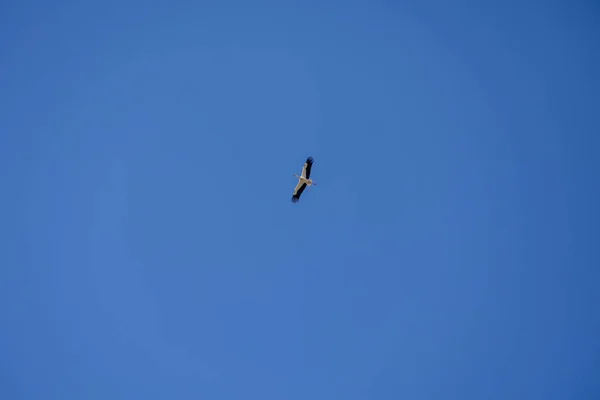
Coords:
pixel 303 180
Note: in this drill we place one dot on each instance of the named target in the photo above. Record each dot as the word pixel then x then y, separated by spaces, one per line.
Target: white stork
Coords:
pixel 304 180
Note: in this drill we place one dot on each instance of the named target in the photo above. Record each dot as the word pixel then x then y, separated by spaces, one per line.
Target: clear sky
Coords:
pixel 150 248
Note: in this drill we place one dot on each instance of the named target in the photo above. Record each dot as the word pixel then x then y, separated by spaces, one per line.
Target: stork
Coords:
pixel 303 180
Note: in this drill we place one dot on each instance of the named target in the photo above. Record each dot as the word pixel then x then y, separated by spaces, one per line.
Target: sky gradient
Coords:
pixel 150 248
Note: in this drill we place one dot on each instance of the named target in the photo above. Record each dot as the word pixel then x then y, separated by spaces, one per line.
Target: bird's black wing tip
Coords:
pixel 310 160
pixel 295 199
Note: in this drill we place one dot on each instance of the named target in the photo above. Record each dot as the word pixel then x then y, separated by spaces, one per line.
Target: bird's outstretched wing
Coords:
pixel 298 191
pixel 307 167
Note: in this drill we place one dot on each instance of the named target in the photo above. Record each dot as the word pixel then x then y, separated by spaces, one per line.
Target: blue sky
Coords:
pixel 150 249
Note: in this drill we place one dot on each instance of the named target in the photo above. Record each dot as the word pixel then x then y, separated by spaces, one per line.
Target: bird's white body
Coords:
pixel 303 180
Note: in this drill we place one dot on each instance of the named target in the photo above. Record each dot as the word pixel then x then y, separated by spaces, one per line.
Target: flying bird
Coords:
pixel 303 180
